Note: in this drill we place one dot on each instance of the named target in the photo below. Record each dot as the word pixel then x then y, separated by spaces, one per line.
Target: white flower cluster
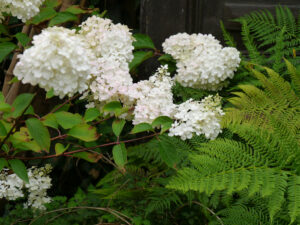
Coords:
pixel 154 97
pixel 12 187
pixel 198 117
pixel 201 61
pixel 22 9
pixel 108 40
pixel 59 59
pixel 112 45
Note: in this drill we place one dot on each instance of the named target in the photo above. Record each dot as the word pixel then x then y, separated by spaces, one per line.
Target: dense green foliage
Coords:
pixel 249 175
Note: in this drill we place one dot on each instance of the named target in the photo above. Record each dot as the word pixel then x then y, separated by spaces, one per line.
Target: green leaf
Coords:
pixel 23 38
pixel 39 133
pixel 44 15
pixel 3 29
pixel 50 93
pixel 166 58
pixel 84 132
pixel 143 41
pixel 30 145
pixel 93 158
pixel 112 107
pixel 3 131
pixel 29 111
pixel 120 154
pixel 62 17
pixel 60 148
pixel 141 127
pixel 164 122
pixel 5 49
pixel 4 107
pixel 117 126
pixel 13 80
pixel 3 163
pixel 21 103
pixel 52 3
pixel 19 168
pixel 91 114
pixel 139 57
pixel 168 155
pixel 2 98
pixel 75 9
pixel 67 120
pixel 50 121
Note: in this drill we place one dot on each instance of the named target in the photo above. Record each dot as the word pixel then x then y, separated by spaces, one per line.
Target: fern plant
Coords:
pixel 269 38
pixel 262 158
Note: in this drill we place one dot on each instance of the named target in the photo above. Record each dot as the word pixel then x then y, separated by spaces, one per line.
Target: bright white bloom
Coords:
pixel 12 187
pixel 22 9
pixel 110 81
pixel 198 117
pixel 155 97
pixel 108 39
pixel 201 61
pixel 59 59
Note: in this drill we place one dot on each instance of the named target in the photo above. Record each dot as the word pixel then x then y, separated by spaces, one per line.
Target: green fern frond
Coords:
pixel 229 40
pixel 294 197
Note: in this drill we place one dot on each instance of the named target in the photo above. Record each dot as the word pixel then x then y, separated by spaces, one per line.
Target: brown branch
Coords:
pixel 80 150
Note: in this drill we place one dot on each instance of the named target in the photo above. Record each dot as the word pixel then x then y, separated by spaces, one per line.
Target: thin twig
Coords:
pixel 116 213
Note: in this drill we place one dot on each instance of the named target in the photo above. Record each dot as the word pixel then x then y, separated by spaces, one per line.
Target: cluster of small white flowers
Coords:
pixel 112 45
pixel 22 9
pixel 201 61
pixel 154 97
pixel 59 59
pixel 198 117
pixel 108 40
pixel 12 187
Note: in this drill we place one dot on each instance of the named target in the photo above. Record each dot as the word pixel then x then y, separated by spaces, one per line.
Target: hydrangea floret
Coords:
pixel 201 61
pixel 12 187
pixel 22 9
pixel 59 59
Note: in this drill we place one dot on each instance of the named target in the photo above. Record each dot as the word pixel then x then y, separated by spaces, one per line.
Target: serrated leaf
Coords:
pixel 75 9
pixel 139 57
pixel 23 39
pixel 44 15
pixel 117 126
pixel 4 107
pixel 84 132
pixel 142 41
pixel 60 148
pixel 164 122
pixel 120 154
pixel 50 93
pixel 21 103
pixel 5 49
pixel 112 107
pixel 91 114
pixel 50 121
pixel 3 163
pixel 39 133
pixel 62 17
pixel 93 158
pixel 141 127
pixel 19 168
pixel 67 120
